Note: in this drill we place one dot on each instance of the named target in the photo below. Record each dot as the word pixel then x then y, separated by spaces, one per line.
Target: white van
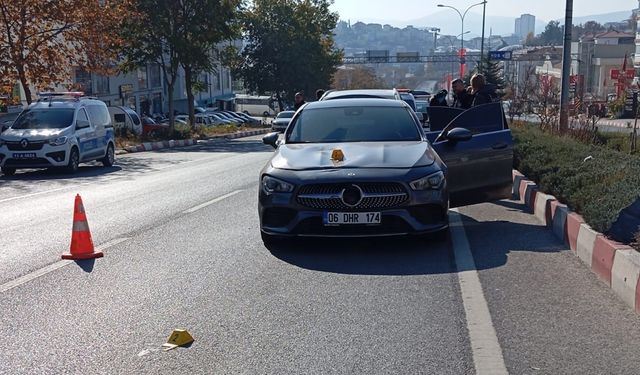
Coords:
pixel 59 130
pixel 125 118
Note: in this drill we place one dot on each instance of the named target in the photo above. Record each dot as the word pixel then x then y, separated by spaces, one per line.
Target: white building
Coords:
pixel 525 25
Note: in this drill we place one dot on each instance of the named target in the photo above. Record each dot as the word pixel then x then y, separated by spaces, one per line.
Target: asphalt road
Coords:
pixel 186 253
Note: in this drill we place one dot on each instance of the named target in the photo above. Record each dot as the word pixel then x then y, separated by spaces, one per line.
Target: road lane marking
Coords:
pixel 485 348
pixel 52 267
pixel 209 203
pixel 35 194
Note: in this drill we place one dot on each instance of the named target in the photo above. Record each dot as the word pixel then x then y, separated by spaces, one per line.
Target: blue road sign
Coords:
pixel 500 55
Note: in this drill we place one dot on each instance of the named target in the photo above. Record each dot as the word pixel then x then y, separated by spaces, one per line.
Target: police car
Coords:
pixel 61 129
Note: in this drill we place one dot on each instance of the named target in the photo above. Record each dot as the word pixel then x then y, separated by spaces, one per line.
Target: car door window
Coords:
pixel 479 170
pixel 82 118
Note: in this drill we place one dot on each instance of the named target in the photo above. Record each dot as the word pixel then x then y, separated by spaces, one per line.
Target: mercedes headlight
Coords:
pixel 58 141
pixel 432 181
pixel 272 185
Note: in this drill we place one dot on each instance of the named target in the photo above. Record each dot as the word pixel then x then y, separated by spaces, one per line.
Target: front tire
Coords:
pixel 74 161
pixel 110 157
pixel 8 171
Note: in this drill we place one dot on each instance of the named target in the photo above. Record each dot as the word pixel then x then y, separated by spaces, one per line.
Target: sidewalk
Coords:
pixel 152 146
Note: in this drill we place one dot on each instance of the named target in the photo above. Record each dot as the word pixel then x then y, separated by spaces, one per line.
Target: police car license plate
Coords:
pixel 345 218
pixel 25 155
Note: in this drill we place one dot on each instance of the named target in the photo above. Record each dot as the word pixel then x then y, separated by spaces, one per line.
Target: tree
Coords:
pixel 40 41
pixel 209 22
pixel 176 34
pixel 289 48
pixel 553 34
pixel 357 77
pixel 492 72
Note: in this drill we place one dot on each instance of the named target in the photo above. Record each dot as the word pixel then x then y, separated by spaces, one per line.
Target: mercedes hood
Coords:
pixel 299 156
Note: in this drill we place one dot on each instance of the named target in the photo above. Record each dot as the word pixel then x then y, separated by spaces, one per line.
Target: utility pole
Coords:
pixel 566 65
pixel 484 10
pixel 435 38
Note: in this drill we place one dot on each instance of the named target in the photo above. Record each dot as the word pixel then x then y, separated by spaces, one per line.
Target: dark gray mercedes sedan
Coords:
pixel 365 167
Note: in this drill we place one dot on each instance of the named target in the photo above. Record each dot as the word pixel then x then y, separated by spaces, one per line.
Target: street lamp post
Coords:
pixel 462 16
pixel 484 12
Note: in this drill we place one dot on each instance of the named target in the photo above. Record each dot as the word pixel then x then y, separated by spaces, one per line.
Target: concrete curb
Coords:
pixel 616 264
pixel 152 146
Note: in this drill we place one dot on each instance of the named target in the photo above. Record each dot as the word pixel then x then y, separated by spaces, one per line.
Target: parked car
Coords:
pixel 219 119
pixel 281 121
pixel 250 120
pixel 152 128
pixel 238 116
pixel 365 167
pixel 125 119
pixel 58 130
pixel 364 93
pixel 228 117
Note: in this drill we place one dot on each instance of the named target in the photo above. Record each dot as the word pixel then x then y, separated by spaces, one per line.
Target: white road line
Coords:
pixel 38 193
pixel 209 203
pixel 52 267
pixel 485 348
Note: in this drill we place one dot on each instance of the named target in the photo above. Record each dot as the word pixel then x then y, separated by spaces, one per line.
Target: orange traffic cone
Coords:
pixel 81 242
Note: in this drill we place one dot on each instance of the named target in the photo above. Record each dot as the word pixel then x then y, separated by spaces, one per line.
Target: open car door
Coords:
pixel 440 117
pixel 478 168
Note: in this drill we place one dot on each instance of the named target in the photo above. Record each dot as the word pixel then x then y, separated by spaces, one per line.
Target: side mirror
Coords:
pixel 81 124
pixel 420 117
pixel 6 125
pixel 459 135
pixel 271 139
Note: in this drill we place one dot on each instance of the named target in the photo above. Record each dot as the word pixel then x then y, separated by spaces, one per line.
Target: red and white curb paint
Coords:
pixel 616 264
pixel 151 146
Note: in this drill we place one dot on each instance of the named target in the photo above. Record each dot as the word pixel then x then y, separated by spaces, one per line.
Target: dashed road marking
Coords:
pixel 52 267
pixel 209 203
pixel 485 348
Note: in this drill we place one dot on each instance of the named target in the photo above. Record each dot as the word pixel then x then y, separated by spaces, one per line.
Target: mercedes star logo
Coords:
pixel 24 143
pixel 351 195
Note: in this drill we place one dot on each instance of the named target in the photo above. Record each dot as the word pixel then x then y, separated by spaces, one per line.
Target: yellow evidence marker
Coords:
pixel 337 155
pixel 179 337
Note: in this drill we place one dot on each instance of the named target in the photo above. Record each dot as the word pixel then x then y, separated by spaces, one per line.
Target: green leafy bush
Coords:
pixel 593 180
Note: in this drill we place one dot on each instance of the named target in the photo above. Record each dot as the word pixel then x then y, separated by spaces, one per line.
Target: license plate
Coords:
pixel 346 218
pixel 27 155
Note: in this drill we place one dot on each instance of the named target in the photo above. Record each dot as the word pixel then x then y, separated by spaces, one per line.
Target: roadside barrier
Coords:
pixel 616 264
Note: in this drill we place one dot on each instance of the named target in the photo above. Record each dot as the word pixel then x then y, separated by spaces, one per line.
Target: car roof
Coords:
pixel 63 103
pixel 357 102
pixel 363 93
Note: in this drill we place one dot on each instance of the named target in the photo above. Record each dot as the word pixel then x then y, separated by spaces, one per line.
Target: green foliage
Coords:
pixel 553 34
pixel 492 71
pixel 592 180
pixel 289 48
pixel 177 33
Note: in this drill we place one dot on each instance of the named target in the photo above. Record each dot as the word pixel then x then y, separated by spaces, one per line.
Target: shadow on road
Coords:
pixel 86 265
pixel 59 174
pixel 491 242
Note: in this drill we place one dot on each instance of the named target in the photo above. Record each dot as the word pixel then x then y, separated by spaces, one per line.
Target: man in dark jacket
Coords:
pixel 299 101
pixel 461 98
pixel 482 92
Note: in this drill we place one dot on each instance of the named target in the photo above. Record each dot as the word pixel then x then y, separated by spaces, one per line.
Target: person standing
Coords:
pixel 482 92
pixel 299 101
pixel 461 98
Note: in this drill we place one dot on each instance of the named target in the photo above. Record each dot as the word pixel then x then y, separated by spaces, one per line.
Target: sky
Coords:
pixel 405 10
